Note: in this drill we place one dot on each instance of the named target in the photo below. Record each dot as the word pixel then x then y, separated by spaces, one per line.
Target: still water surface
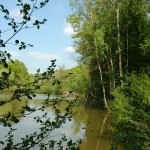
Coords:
pixel 88 124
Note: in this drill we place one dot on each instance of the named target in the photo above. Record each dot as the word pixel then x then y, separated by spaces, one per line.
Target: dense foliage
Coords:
pixel 112 39
pixel 19 75
pixel 74 80
pixel 131 109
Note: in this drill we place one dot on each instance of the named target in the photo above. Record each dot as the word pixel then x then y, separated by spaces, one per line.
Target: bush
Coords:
pixel 131 108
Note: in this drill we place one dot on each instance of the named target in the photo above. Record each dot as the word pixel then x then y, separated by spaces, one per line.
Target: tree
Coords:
pixel 123 25
pixel 102 33
pixel 91 46
pixel 19 73
pixel 78 79
pixel 116 4
pixel 28 88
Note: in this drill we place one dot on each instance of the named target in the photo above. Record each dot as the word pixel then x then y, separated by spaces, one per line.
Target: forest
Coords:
pixel 112 38
pixel 112 43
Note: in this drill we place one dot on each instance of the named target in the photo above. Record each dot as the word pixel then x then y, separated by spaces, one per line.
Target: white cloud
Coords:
pixel 68 29
pixel 42 56
pixel 70 49
pixel 14 54
pixel 15 13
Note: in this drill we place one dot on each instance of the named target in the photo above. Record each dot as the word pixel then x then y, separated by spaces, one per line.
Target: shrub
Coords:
pixel 131 108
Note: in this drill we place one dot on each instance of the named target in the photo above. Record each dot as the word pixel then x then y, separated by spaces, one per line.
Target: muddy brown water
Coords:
pixel 89 124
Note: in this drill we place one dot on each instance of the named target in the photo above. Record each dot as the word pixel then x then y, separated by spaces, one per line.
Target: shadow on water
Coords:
pixel 87 124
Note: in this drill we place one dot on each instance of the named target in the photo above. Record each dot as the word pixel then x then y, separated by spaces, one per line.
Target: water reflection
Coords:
pixel 12 106
pixel 88 124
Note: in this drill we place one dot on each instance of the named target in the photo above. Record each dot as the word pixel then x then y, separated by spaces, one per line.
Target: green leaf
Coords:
pixel 1 142
pixel 70 143
pixel 5 65
pixel 1 41
pixel 4 74
pixel 24 46
pixel 3 45
pixel 17 41
pixel 8 55
pixel 29 97
pixel 20 48
pixel 16 120
pixel 29 18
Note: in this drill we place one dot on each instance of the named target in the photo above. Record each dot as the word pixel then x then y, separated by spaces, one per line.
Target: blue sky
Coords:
pixel 52 41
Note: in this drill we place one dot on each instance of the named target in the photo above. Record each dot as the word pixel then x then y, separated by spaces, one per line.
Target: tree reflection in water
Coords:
pixel 87 124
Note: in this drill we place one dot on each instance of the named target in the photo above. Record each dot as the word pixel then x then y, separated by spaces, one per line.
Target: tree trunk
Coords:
pixel 127 42
pixel 115 4
pixel 103 87
pixel 119 48
pixel 112 68
pixel 101 77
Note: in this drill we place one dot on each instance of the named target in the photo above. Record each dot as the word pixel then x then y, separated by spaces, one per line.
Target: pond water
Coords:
pixel 88 124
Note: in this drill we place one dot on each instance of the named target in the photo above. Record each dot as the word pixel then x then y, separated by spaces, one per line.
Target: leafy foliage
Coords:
pixel 19 73
pixel 113 41
pixel 96 40
pixel 74 80
pixel 15 73
pixel 131 111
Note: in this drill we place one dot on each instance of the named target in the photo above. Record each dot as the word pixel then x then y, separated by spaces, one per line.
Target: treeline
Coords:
pixel 72 81
pixel 17 72
pixel 112 39
pixel 65 81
